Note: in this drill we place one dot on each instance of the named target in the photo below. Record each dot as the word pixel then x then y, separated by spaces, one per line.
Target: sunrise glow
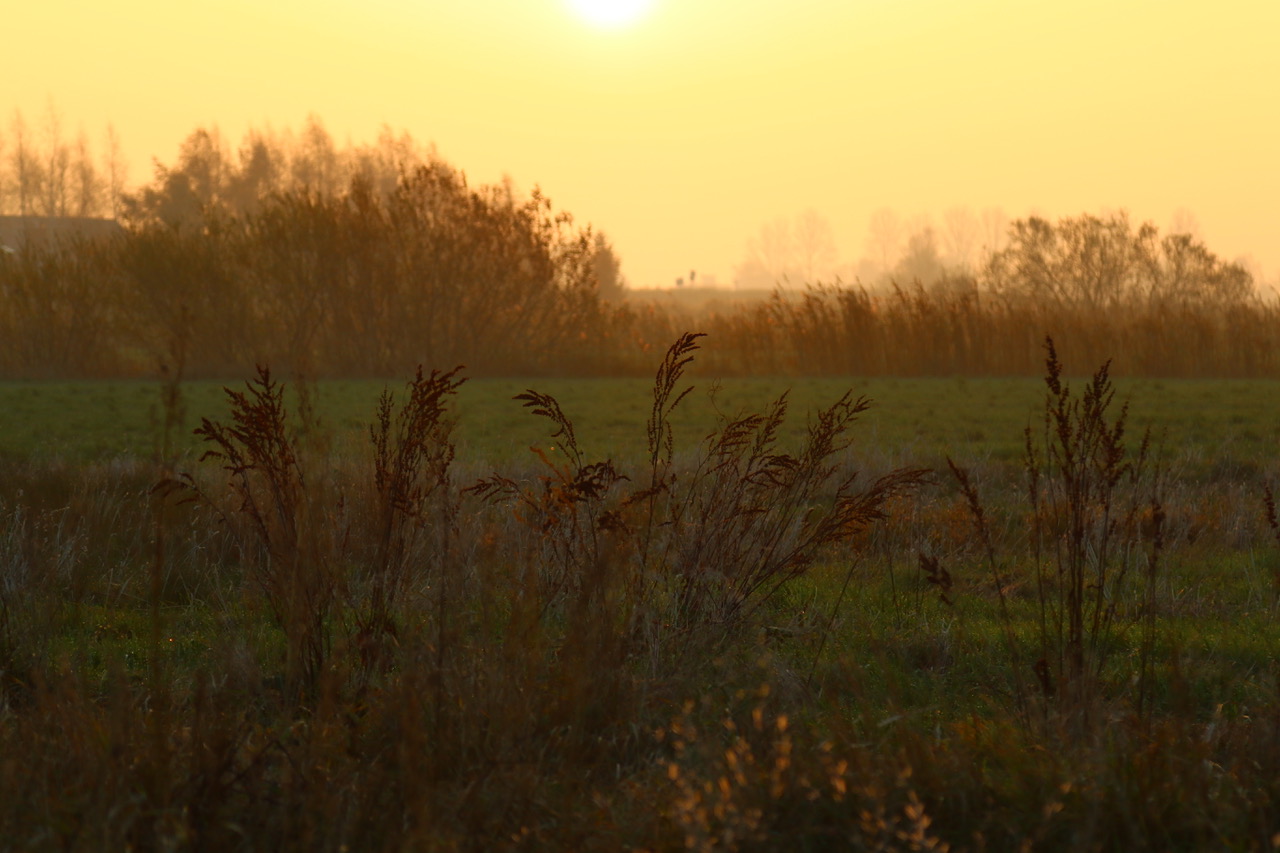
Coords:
pixel 684 129
pixel 610 13
pixel 490 424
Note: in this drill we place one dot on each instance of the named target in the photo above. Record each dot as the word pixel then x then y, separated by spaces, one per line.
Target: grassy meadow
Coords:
pixel 591 613
pixel 682 626
pixel 1228 425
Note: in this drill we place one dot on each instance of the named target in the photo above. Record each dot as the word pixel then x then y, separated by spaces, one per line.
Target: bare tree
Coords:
pixel 884 237
pixel 115 171
pixel 1095 262
pixel 27 171
pixel 316 165
pixel 815 245
pixel 920 262
pixel 786 250
pixel 960 235
pixel 4 179
pixel 772 250
pixel 57 166
pixel 51 176
pixel 86 189
pixel 995 228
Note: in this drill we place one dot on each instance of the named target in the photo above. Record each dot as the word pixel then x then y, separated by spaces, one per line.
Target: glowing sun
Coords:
pixel 610 13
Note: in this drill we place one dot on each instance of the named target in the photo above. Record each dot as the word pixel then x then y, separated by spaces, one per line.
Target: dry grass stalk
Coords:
pixel 1088 497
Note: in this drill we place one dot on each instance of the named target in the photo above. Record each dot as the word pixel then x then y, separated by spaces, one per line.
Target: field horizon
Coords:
pixel 1208 419
pixel 604 614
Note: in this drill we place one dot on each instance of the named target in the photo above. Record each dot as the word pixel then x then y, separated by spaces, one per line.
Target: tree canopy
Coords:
pixel 1101 262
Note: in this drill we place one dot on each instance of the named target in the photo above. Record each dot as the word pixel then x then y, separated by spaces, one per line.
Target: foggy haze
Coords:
pixel 686 132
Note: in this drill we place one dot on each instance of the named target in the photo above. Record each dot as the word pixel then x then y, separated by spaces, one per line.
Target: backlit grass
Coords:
pixel 573 656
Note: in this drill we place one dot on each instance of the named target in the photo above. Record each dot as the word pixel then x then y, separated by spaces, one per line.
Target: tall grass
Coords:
pixel 441 273
pixel 584 652
pixel 693 554
pixel 846 330
pixel 1094 544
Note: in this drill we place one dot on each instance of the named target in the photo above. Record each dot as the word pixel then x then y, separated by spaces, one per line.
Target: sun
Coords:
pixel 610 13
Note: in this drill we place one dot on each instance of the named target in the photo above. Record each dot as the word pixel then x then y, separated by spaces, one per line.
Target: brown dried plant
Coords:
pixel 569 507
pixel 699 550
pixel 1088 496
pixel 757 781
pixel 413 452
pixel 1273 524
pixel 293 569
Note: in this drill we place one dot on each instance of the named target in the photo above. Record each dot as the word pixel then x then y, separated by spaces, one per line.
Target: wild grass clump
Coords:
pixel 269 493
pixel 595 653
pixel 326 556
pixel 693 553
pixel 756 781
pixel 549 614
pixel 416 507
pixel 1273 523
pixel 1095 540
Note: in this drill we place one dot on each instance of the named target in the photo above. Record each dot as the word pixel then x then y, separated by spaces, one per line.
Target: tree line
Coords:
pixel 344 284
pixel 370 260
pixel 44 171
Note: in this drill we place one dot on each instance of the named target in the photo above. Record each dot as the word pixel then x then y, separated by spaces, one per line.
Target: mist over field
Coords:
pixel 687 132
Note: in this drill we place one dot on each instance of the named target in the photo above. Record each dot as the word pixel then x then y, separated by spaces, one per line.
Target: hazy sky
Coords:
pixel 682 133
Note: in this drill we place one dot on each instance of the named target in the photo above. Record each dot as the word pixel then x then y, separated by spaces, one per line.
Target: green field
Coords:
pixel 1217 427
pixel 582 662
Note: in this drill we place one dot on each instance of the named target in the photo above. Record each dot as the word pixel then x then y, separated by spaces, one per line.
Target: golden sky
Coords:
pixel 684 132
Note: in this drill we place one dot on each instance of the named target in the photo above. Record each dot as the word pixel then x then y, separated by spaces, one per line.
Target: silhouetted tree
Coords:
pixel 960 236
pixel 884 237
pixel 920 262
pixel 316 164
pixel 208 181
pixel 1188 272
pixel 815 246
pixel 186 192
pixel 25 166
pixel 114 171
pixel 88 189
pixel 54 193
pixel 994 230
pixel 607 266
pixel 1094 263
pixel 259 173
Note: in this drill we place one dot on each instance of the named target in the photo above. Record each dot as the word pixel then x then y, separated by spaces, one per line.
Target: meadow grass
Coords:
pixel 1223 428
pixel 587 650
